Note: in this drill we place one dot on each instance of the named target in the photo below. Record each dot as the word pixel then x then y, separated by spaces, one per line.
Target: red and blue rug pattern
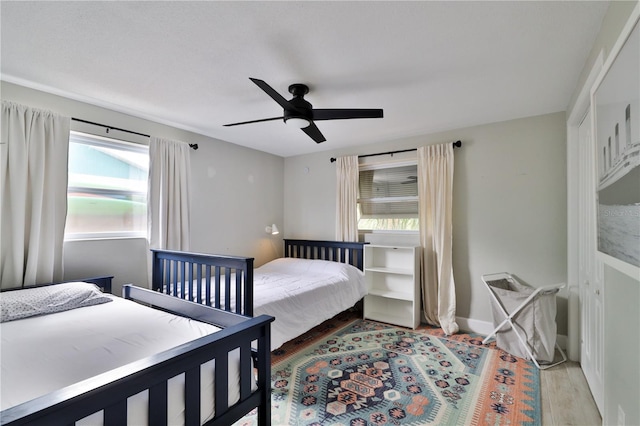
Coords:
pixel 368 373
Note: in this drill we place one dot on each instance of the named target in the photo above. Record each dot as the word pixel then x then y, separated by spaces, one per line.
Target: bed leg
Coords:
pixel 264 412
pixel 264 378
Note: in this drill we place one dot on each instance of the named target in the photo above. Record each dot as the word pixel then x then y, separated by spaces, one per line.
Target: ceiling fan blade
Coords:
pixel 314 133
pixel 274 95
pixel 254 121
pixel 344 114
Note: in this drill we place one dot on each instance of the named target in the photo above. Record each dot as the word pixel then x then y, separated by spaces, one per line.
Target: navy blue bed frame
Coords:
pixel 109 391
pixel 204 278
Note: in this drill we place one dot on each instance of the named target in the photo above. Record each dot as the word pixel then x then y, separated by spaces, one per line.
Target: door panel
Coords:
pixel 590 274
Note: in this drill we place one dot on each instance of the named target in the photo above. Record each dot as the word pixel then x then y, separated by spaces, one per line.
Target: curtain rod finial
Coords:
pixel 193 146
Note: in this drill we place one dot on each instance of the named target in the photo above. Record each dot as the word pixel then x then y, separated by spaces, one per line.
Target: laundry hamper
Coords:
pixel 524 318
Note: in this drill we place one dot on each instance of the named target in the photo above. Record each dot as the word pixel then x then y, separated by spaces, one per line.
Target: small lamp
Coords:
pixel 273 229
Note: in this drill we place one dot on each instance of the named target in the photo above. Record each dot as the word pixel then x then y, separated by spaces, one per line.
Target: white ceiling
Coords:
pixel 432 66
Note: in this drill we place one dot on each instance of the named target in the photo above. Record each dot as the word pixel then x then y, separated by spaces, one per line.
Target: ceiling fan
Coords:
pixel 299 113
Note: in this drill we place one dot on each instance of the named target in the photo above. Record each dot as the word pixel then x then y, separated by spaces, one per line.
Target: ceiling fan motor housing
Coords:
pixel 303 109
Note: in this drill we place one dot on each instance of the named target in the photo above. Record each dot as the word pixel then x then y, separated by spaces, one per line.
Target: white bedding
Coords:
pixel 302 293
pixel 44 353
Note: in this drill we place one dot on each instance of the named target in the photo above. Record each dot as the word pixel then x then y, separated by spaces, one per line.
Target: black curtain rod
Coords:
pixel 456 144
pixel 110 127
pixel 194 146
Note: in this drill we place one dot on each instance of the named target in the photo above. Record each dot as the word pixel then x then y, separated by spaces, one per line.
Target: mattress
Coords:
pixel 302 293
pixel 44 353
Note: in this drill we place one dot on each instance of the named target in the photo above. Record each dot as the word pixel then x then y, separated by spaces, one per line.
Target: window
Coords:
pixel 107 190
pixel 388 197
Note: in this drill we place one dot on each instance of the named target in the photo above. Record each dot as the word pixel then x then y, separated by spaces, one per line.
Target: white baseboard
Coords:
pixel 485 328
pixel 470 325
pixel 561 340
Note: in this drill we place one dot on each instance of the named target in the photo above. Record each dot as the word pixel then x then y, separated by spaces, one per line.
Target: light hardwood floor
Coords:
pixel 566 399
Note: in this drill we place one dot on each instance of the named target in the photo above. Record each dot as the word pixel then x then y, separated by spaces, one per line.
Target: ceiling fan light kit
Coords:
pixel 298 123
pixel 299 113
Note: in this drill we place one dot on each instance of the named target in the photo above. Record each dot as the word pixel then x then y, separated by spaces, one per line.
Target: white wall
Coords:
pixel 236 192
pixel 125 259
pixel 509 203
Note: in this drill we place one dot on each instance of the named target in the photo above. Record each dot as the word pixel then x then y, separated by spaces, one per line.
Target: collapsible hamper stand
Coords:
pixel 524 319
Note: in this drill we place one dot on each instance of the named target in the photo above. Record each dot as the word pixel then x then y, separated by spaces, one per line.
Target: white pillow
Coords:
pixel 49 299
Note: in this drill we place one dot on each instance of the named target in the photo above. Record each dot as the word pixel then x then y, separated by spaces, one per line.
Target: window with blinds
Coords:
pixel 388 198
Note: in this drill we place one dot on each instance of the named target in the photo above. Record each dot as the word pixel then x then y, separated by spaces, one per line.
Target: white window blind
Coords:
pixel 388 197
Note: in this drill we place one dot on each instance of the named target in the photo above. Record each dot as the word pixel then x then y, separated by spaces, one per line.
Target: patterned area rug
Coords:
pixel 355 372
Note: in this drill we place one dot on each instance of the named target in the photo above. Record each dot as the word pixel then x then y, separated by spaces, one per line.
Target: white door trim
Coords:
pixel 576 115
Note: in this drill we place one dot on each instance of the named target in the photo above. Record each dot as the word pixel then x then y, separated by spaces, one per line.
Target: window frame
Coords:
pixel 108 142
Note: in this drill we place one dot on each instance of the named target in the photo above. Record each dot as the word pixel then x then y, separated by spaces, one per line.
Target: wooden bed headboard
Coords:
pixel 335 251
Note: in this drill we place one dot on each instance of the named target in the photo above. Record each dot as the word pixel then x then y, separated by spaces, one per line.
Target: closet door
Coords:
pixel 590 273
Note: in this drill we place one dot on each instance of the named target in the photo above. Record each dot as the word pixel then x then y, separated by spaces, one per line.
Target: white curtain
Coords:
pixel 169 196
pixel 34 152
pixel 435 192
pixel 347 198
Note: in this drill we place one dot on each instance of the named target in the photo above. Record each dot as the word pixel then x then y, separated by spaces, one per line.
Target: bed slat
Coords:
pixel 245 372
pixel 239 293
pixel 183 280
pixel 167 276
pixel 220 383
pixel 116 414
pixel 198 278
pixel 192 397
pixel 208 287
pixel 157 399
pixel 189 278
pixel 227 286
pixel 217 287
